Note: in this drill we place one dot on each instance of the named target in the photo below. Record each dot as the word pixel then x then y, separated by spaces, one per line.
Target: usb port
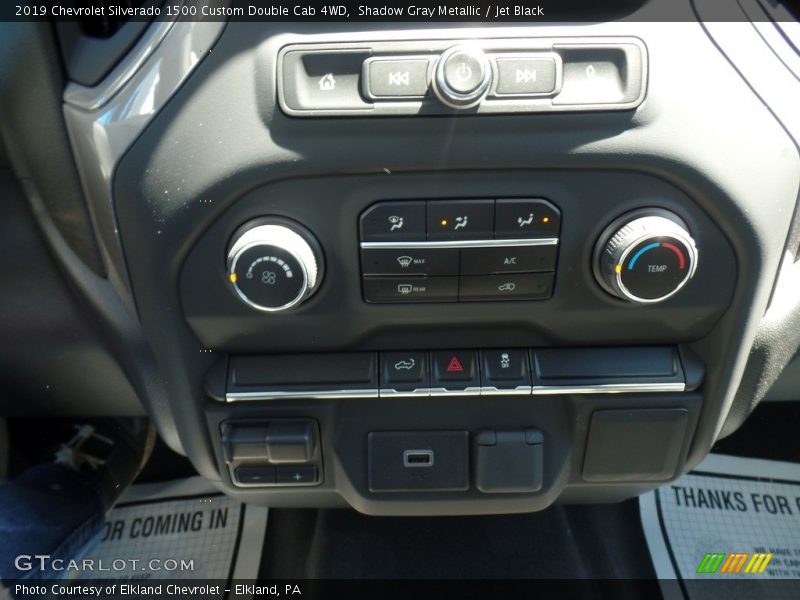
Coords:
pixel 418 458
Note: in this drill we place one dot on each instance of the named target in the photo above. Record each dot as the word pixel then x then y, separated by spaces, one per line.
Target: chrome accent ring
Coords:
pixel 454 98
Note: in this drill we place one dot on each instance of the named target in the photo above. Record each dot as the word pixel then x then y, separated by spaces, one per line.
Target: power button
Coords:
pixel 463 76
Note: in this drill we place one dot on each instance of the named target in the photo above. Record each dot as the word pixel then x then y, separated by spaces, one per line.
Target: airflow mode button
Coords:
pixel 526 219
pixel 394 221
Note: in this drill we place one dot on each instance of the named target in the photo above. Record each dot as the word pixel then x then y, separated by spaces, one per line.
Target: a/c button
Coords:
pixel 508 259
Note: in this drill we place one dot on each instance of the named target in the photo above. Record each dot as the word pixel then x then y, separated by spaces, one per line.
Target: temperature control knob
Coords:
pixel 645 256
pixel 274 264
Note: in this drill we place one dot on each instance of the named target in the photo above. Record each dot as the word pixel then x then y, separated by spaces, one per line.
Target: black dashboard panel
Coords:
pixel 700 155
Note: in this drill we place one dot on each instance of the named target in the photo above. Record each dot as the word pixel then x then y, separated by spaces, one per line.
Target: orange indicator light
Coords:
pixel 444 223
pixel 618 269
pixel 545 219
pixel 232 277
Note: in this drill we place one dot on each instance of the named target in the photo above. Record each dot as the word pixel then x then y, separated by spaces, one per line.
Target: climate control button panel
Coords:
pixel 459 250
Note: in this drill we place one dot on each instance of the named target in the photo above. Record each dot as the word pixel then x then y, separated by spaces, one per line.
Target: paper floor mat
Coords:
pixel 184 529
pixel 732 519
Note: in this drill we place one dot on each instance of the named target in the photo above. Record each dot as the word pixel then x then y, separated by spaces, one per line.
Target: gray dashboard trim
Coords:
pixel 523 390
pixel 103 122
pixel 92 98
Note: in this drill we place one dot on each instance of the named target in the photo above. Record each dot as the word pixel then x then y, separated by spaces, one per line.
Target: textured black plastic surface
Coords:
pixel 582 364
pixel 309 369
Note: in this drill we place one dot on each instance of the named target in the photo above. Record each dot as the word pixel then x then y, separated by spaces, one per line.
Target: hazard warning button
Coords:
pixel 455 365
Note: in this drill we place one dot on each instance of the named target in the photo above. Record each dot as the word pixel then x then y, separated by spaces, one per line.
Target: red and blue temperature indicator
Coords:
pixel 645 249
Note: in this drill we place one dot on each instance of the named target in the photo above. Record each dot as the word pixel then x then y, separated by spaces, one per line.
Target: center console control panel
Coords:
pixel 391 78
pixel 456 373
pixel 322 391
pixel 459 250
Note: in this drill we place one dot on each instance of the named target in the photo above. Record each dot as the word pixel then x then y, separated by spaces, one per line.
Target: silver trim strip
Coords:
pixel 442 392
pixel 307 394
pixel 415 393
pixel 520 390
pixel 463 243
pixel 609 388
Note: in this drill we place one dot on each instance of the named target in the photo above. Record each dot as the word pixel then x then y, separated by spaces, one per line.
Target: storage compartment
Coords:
pixel 635 445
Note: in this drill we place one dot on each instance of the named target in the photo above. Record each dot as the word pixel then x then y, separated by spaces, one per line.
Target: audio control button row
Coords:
pixel 476 76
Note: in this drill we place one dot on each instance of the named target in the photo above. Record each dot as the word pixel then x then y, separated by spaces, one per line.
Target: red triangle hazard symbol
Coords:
pixel 454 366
